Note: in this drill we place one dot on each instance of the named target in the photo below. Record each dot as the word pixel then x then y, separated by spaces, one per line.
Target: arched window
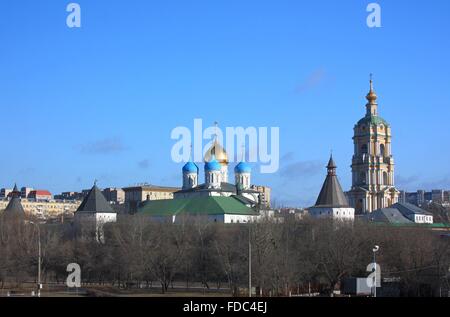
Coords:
pixel 385 178
pixel 382 150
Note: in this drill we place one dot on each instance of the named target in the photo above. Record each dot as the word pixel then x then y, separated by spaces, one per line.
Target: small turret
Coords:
pixel 190 175
pixel 242 174
pixel 213 173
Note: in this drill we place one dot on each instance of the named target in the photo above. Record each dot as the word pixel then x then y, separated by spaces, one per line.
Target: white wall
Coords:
pixel 91 221
pixel 335 213
pixel 224 218
pixel 240 218
pixel 102 218
pixel 419 218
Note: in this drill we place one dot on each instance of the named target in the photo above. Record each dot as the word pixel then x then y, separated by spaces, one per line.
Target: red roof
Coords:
pixel 40 193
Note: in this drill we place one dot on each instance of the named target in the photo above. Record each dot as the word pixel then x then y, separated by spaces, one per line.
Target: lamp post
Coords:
pixel 249 263
pixel 375 249
pixel 39 258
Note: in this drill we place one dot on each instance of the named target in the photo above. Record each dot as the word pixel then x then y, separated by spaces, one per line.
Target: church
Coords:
pixel 372 162
pixel 216 181
pixel 216 198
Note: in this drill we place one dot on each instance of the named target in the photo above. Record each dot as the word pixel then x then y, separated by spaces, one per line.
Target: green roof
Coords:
pixel 195 206
pixel 373 120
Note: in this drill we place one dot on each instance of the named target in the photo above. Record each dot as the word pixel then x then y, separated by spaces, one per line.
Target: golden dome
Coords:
pixel 219 153
pixel 371 96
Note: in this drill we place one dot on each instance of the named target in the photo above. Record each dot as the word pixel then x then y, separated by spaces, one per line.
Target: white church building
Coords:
pixel 216 181
pixel 332 202
pixel 93 213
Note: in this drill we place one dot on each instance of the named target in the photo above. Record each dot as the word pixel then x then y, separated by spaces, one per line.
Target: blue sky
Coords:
pixel 100 102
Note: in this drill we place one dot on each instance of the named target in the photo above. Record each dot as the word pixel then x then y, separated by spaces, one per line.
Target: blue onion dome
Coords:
pixel 243 167
pixel 190 167
pixel 212 165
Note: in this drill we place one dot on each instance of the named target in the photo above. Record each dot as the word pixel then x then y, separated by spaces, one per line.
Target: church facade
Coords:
pixel 372 162
pixel 216 179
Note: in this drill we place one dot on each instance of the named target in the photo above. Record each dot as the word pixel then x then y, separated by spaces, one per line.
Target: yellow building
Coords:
pixel 265 194
pixel 372 163
pixel 136 194
pixel 45 209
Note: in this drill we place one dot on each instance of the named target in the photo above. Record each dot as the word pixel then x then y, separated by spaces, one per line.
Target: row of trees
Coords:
pixel 286 257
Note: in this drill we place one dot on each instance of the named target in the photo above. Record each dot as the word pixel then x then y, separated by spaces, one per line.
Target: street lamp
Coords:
pixel 375 249
pixel 39 258
pixel 249 262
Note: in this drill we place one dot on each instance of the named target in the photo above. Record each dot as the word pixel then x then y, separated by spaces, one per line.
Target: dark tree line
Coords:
pixel 289 257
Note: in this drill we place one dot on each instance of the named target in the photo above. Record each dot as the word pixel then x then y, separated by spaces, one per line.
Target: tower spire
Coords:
pixel 371 97
pixel 216 126
pixel 331 167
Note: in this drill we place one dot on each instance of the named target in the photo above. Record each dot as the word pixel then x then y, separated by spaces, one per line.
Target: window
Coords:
pixel 382 150
pixel 385 178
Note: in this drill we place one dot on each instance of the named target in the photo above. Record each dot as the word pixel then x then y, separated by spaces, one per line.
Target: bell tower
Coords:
pixel 372 162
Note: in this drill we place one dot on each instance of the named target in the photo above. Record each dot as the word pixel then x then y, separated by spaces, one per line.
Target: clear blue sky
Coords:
pixel 100 102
